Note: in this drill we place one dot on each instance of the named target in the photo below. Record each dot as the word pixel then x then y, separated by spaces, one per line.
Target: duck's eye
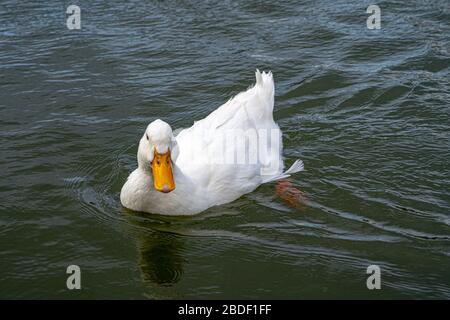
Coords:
pixel 146 135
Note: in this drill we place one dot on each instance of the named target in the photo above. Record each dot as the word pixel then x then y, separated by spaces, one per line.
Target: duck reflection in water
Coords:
pixel 159 252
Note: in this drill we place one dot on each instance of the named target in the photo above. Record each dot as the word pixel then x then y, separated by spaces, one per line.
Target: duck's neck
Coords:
pixel 147 170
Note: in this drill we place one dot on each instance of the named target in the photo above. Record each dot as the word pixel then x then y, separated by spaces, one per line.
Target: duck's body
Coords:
pixel 210 166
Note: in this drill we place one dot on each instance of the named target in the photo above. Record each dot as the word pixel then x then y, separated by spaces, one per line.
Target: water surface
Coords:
pixel 367 110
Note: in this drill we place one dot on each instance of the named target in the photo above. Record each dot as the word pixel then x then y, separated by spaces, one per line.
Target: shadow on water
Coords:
pixel 160 257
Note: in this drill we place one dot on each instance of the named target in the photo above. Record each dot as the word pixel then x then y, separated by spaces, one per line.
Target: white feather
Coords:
pixel 202 180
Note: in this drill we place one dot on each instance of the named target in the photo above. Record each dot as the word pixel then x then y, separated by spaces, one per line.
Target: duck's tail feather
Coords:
pixel 266 89
pixel 297 166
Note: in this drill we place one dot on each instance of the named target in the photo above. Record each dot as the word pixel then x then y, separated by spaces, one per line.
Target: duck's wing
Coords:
pixel 249 110
pixel 252 108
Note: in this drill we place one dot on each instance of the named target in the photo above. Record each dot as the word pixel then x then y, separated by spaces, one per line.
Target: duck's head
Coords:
pixel 155 155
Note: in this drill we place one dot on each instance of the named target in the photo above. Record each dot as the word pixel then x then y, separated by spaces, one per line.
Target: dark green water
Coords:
pixel 367 110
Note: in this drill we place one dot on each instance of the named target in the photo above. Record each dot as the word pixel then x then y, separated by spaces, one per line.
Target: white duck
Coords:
pixel 220 158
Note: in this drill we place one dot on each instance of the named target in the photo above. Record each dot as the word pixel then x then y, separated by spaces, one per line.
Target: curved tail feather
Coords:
pixel 297 166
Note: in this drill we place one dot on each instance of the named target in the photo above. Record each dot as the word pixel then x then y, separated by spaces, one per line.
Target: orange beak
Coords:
pixel 162 172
